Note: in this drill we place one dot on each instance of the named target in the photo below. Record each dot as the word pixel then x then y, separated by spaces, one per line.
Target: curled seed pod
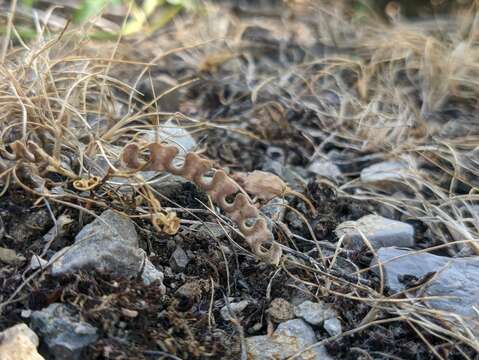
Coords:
pixel 87 184
pixel 220 186
pixel 19 152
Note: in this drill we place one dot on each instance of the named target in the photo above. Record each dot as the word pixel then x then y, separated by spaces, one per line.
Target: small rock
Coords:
pixel 97 166
pixel 179 259
pixel 385 172
pixel 26 313
pixel 280 310
pixel 62 331
pixel 233 310
pixel 37 262
pixel 275 209
pixel 333 326
pixel 275 153
pixel 314 313
pixel 325 168
pixel 380 231
pixel 57 231
pixel 151 274
pixel 453 277
pixel 289 338
pixel 19 343
pixel 173 133
pixel 10 257
pixel 108 244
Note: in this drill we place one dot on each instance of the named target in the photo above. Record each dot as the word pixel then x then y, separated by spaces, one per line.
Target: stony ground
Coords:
pixel 371 119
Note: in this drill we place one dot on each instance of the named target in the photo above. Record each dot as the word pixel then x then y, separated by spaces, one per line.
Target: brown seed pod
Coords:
pixel 87 184
pixel 220 187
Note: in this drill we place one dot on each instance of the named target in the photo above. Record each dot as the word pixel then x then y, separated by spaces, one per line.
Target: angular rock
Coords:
pixel 314 313
pixel 37 262
pixel 62 331
pixel 151 275
pixel 108 244
pixel 333 326
pixel 289 338
pixel 19 343
pixel 452 277
pixel 233 310
pixel 179 259
pixel 275 209
pixel 380 231
pixel 97 166
pixel 325 168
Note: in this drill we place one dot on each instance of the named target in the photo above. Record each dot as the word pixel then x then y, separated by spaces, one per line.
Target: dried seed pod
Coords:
pixel 87 184
pixel 220 187
pixel 263 184
pixel 20 151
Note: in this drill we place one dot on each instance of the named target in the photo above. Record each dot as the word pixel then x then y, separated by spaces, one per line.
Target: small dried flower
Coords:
pixel 169 223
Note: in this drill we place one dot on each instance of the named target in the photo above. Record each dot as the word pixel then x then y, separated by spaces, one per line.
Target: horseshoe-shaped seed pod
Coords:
pixel 219 187
pixel 19 151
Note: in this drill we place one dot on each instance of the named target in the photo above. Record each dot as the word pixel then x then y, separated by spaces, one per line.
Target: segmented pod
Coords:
pixel 220 187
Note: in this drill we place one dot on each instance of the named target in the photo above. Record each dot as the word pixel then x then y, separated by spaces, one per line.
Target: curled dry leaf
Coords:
pixel 220 187
pixel 262 184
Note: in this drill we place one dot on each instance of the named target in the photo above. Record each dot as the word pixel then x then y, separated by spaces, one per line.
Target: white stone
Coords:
pixel 289 338
pixel 37 262
pixel 325 168
pixel 314 313
pixel 19 343
pixel 333 326
pixel 233 310
pixel 378 230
